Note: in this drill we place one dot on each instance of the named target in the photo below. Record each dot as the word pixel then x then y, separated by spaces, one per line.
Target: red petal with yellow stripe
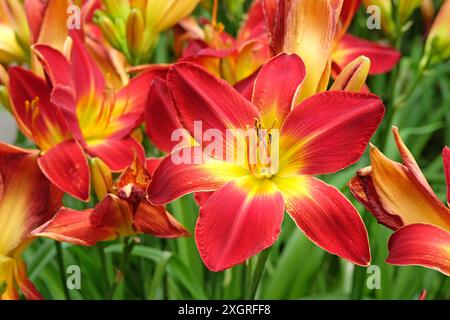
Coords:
pixel 421 244
pixel 326 217
pixel 199 96
pixel 275 88
pixel 171 181
pixel 161 116
pixel 38 118
pixel 250 222
pixel 117 154
pixel 65 165
pixel 328 132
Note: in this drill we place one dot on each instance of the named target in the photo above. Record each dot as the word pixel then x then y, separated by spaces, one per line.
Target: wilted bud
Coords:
pixel 353 76
pixel 438 42
pixel 101 177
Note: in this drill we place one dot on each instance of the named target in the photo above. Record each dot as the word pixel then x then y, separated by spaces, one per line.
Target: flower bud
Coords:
pixel 118 9
pixel 135 32
pixel 109 31
pixel 438 42
pixel 101 177
pixel 353 76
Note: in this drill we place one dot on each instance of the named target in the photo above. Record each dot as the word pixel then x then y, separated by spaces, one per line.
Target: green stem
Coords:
pixel 62 274
pixel 398 103
pixel 257 274
pixel 390 112
pixel 104 267
pixel 128 246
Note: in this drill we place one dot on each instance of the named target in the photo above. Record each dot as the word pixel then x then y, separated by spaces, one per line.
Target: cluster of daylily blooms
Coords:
pixel 82 95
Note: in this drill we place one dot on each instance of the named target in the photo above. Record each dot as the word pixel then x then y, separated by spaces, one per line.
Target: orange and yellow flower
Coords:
pixel 399 197
pixel 78 115
pixel 27 199
pixel 243 216
pixel 220 53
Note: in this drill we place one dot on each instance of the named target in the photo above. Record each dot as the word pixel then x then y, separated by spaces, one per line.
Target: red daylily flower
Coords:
pixel 123 213
pixel 243 216
pixel 400 198
pixel 77 114
pixel 316 31
pixel 220 53
pixel 27 200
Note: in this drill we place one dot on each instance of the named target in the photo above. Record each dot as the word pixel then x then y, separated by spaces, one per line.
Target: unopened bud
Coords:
pixel 101 177
pixel 353 76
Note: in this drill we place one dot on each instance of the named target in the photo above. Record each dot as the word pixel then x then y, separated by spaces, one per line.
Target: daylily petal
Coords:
pixel 35 11
pixel 7 276
pixel 245 87
pixel 383 58
pixel 171 181
pixel 131 101
pixel 423 245
pixel 411 164
pixel 326 217
pixel 249 223
pixel 115 214
pixel 74 227
pixel 275 88
pixel 161 117
pixel 26 286
pixel 151 164
pixel 251 55
pixel 349 9
pixel 446 157
pixel 364 191
pixel 117 154
pixel 65 165
pixel 353 77
pixel 27 199
pixel 328 132
pixel 202 197
pixel 400 193
pixel 156 221
pixel 199 96
pixel 39 119
pixel 87 77
pixel 254 27
pixel 63 95
pixel 53 30
pixel 307 28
